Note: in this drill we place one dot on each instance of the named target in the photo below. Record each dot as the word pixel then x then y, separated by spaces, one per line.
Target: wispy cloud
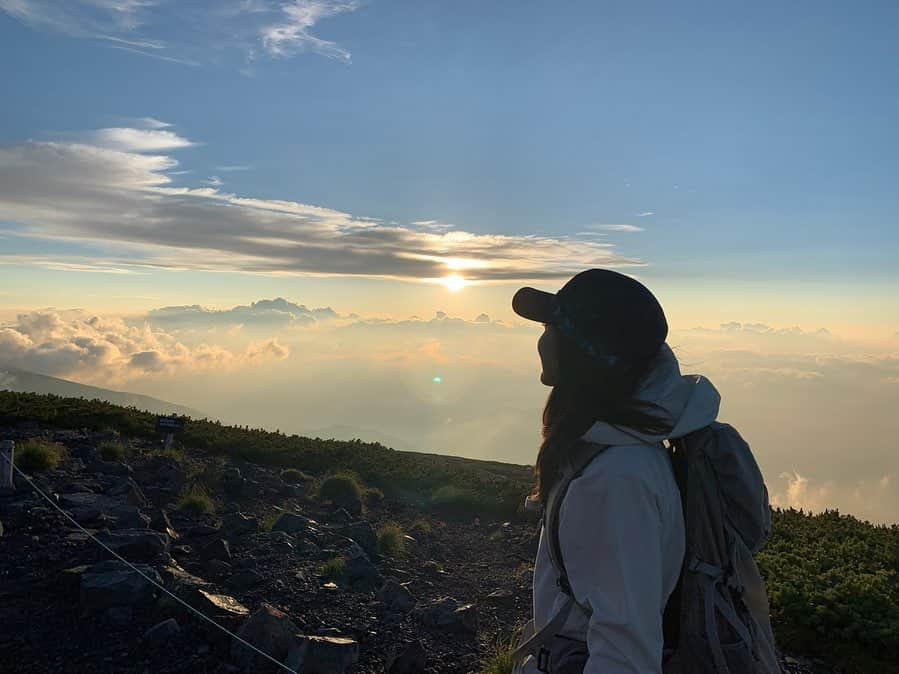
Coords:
pixel 645 214
pixel 277 28
pixel 228 168
pixel 617 228
pixel 117 191
pixel 213 181
pixel 291 34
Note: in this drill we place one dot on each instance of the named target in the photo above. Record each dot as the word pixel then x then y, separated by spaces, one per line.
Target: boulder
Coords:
pixel 164 631
pixel 362 575
pixel 216 549
pixel 119 616
pixel 114 468
pixel 411 660
pixel 449 615
pixel 363 534
pixel 160 522
pixel 85 500
pixel 396 597
pixel 130 493
pixel 322 655
pixel 238 524
pixel 136 544
pixel 113 583
pixel 268 629
pixel 245 579
pixel 129 517
pixel 291 523
pixel 163 471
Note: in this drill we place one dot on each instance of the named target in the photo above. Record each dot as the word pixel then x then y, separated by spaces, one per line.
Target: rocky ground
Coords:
pixel 255 567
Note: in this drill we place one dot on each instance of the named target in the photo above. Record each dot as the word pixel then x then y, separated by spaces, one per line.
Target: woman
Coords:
pixel 614 382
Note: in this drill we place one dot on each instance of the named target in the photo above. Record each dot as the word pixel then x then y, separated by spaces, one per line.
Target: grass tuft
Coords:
pixel 196 501
pixel 333 569
pixel 342 489
pixel 36 455
pixel 112 451
pixel 391 541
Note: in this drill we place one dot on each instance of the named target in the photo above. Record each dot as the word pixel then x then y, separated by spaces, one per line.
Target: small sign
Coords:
pixel 169 424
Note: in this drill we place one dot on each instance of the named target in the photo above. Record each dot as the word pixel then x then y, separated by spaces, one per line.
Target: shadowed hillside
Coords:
pixel 385 560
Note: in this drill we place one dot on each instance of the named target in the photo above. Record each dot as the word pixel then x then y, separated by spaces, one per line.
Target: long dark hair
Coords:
pixel 588 391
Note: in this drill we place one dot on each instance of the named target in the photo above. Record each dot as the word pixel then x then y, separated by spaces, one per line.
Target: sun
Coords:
pixel 453 282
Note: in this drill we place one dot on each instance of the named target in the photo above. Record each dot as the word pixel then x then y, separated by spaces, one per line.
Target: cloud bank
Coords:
pixel 115 188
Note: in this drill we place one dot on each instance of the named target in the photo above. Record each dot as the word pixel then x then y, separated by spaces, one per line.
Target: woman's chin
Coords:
pixel 546 379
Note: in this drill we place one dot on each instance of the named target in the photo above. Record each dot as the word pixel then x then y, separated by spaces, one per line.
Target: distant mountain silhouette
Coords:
pixel 31 382
pixel 346 432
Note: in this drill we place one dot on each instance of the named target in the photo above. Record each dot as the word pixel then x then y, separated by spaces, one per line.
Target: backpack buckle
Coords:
pixel 543 659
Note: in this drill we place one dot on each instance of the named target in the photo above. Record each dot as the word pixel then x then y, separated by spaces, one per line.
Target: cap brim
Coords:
pixel 533 304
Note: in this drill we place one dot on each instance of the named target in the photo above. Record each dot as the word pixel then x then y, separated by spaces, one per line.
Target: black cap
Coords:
pixel 606 313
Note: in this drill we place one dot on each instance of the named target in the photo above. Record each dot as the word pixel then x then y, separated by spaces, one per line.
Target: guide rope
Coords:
pixel 96 540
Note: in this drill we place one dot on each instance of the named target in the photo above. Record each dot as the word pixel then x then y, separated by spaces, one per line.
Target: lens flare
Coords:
pixel 437 380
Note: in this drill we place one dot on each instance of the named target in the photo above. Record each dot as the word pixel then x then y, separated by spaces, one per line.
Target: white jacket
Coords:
pixel 621 533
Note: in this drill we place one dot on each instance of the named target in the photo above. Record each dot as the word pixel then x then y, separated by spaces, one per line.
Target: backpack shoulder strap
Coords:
pixel 574 463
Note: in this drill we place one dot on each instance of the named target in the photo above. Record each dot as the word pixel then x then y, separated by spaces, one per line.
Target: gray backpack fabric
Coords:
pixel 716 621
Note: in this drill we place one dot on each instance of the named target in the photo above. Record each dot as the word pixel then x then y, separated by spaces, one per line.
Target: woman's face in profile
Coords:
pixel 547 347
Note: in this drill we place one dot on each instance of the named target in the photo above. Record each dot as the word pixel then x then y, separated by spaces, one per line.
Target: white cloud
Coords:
pixel 128 139
pixel 213 181
pixel 227 168
pixel 101 350
pixel 645 214
pixel 120 194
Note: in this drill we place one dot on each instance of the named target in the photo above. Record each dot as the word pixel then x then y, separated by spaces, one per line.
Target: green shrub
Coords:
pixel 196 501
pixel 421 527
pixel 391 540
pixel 333 569
pixel 269 521
pixel 112 451
pixel 454 500
pixel 344 490
pixel 35 455
pixel 294 476
pixel 499 657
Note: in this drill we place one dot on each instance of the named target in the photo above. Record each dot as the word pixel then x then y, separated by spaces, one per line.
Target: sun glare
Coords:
pixel 454 282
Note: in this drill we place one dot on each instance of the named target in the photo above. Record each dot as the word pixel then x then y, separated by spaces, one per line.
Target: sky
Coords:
pixel 312 214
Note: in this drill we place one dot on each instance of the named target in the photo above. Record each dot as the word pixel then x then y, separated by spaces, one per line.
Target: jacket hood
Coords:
pixel 690 401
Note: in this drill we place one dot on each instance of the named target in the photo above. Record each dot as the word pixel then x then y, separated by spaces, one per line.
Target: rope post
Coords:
pixel 7 450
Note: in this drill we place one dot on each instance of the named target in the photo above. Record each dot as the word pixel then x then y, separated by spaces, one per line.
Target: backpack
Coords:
pixel 716 620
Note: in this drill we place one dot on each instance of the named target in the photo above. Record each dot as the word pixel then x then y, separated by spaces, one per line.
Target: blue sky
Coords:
pixel 759 139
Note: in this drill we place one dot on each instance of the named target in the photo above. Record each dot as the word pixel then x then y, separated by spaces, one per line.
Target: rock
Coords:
pixel 201 530
pixel 363 534
pixel 308 550
pixel 1 528
pixel 450 615
pixel 219 568
pixel 130 493
pixel 234 483
pixel 220 605
pixel 231 507
pixel 322 655
pixel 216 549
pixel 119 615
pixel 362 575
pixel 245 579
pixel 341 516
pixel 239 524
pixel 163 471
pixel 160 522
pixel 395 596
pixel 268 629
pixel 164 631
pixel 129 517
pixel 136 544
pixel 87 500
pixel 412 660
pixel 292 523
pixel 113 583
pixel 501 598
pixel 110 468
